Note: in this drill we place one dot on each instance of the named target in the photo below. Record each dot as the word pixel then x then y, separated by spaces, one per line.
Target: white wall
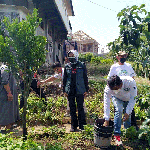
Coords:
pixel 63 11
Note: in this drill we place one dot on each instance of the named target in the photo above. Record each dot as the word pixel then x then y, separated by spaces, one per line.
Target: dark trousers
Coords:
pixel 81 114
pixel 133 119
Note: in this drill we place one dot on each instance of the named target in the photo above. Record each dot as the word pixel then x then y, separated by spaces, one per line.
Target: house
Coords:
pixel 55 21
pixel 85 43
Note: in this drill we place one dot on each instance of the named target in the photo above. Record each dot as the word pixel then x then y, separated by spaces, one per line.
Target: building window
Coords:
pixel 89 47
pixel 84 48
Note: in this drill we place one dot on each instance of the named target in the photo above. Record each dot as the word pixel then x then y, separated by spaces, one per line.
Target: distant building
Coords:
pixel 85 43
pixel 55 23
pixel 103 50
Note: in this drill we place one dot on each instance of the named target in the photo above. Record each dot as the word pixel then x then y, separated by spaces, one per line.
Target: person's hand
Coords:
pixel 10 97
pixel 125 117
pixel 65 94
pixel 85 94
pixel 106 123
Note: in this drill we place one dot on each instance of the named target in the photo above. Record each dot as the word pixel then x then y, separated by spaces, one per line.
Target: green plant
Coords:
pixel 54 132
pixel 55 146
pixel 130 133
pixel 88 132
pixel 86 57
pixel 11 143
pixel 49 113
pixel 140 114
pixel 144 132
pixel 134 37
pixel 28 51
pixel 98 70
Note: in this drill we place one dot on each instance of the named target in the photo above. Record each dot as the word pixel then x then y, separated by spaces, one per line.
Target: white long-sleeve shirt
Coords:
pixel 59 77
pixel 127 92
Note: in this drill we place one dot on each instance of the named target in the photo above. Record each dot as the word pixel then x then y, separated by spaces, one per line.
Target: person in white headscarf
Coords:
pixel 76 55
pixel 75 86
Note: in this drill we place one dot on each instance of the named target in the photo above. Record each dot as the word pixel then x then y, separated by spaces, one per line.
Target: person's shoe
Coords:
pixel 81 130
pixel 118 140
pixel 73 129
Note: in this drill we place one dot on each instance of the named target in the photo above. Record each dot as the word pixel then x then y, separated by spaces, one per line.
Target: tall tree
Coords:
pixel 134 36
pixel 23 51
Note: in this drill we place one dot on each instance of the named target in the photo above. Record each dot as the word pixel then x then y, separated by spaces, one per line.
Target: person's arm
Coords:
pixel 5 83
pixel 132 72
pixel 107 96
pixel 85 79
pixel 112 71
pixel 133 94
pixel 9 95
pixel 64 80
pixel 50 79
pixel 7 88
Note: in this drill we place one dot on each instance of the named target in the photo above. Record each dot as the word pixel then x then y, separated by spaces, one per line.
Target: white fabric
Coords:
pixel 121 70
pixel 3 67
pixel 59 76
pixel 127 93
pixel 76 54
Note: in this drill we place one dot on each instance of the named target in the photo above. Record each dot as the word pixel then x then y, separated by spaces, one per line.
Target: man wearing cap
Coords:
pixel 123 69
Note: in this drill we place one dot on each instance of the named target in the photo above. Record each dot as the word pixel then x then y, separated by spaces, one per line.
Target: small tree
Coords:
pixel 23 51
pixel 134 37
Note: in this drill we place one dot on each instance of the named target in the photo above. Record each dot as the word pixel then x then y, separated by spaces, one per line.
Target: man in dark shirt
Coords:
pixel 75 85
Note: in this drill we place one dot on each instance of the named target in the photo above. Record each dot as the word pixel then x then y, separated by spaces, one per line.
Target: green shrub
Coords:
pixel 86 57
pixel 11 143
pixel 130 133
pixel 37 110
pixel 96 60
pixel 143 101
pixel 107 61
pixel 144 132
pixel 98 70
pixel 97 86
pixel 88 132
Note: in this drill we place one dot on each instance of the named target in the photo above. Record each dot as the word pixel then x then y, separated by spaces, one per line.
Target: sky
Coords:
pixel 99 22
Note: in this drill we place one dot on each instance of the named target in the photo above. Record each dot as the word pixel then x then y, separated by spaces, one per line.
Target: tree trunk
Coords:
pixel 27 84
pixel 24 116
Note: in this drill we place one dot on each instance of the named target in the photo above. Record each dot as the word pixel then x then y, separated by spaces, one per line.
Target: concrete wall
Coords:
pixel 64 14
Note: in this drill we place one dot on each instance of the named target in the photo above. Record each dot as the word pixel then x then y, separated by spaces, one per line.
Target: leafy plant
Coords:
pixel 88 131
pixel 54 132
pixel 23 51
pixel 144 132
pixel 130 133
pixel 98 70
pixel 86 57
